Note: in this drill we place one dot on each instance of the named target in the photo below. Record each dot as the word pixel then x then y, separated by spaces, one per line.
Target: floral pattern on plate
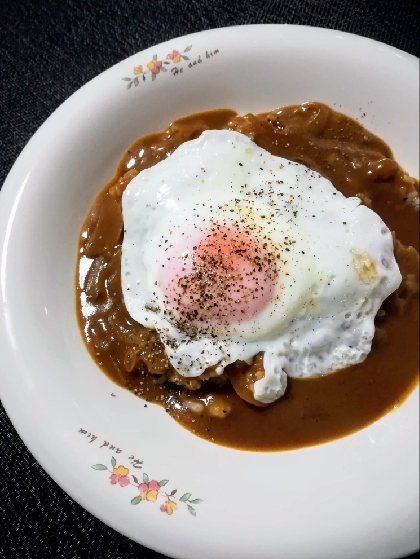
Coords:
pixel 156 66
pixel 149 490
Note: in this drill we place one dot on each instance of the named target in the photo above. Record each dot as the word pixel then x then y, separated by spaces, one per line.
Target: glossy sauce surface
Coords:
pixel 313 410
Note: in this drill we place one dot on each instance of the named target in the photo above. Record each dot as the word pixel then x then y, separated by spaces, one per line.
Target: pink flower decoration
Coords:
pixel 169 507
pixel 151 486
pixel 154 66
pixel 175 56
pixel 123 481
pixel 149 491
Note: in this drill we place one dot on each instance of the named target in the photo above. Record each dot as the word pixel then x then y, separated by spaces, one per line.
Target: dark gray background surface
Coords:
pixel 48 50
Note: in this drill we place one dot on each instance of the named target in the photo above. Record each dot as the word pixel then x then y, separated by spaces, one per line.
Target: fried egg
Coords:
pixel 229 251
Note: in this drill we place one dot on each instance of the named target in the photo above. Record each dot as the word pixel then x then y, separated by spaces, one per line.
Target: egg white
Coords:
pixel 321 315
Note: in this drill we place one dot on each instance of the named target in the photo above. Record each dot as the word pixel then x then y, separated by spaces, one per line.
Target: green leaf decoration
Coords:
pixel 136 500
pixel 196 501
pixel 155 57
pixel 185 57
pixel 144 78
pixel 185 497
pixel 192 510
pixel 165 62
pixel 153 77
pixel 136 81
pixel 99 467
pixel 135 479
pixel 113 462
pixel 163 482
pixel 129 85
pixel 164 69
pixel 127 79
pixel 145 478
pixel 188 48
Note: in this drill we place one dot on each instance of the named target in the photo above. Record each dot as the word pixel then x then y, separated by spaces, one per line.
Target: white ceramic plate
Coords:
pixel 355 497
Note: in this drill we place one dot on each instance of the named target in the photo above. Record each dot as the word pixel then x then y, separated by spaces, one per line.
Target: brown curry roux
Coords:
pixel 313 410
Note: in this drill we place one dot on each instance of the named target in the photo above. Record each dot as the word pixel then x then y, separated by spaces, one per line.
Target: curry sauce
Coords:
pixel 313 410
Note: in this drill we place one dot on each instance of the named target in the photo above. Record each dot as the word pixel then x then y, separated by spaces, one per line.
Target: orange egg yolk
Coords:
pixel 226 276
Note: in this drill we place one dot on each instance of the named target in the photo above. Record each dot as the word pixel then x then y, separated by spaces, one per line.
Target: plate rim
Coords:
pixel 7 199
